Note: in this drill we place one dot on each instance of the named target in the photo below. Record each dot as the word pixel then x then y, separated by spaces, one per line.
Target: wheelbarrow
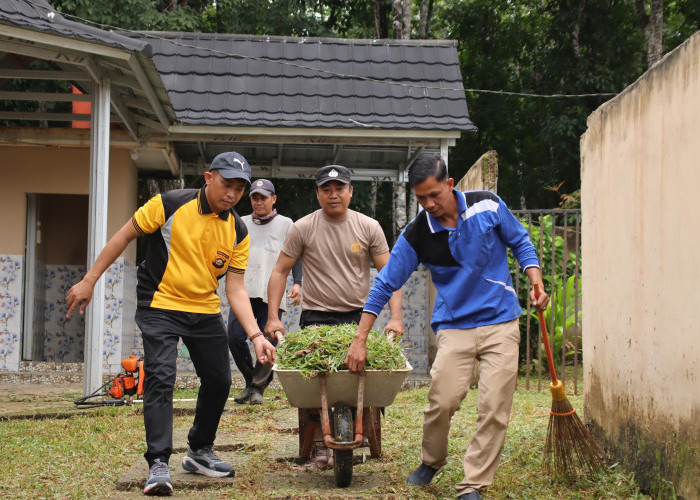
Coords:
pixel 367 392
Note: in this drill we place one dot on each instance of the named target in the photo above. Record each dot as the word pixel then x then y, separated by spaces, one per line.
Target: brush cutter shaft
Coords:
pixel 545 338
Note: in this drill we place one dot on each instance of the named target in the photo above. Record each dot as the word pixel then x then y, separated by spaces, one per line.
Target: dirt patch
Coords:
pixel 29 399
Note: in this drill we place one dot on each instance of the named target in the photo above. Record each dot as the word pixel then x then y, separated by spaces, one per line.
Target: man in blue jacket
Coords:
pixel 462 238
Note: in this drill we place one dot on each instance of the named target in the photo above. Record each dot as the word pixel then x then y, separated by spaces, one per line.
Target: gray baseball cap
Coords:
pixel 231 165
pixel 262 186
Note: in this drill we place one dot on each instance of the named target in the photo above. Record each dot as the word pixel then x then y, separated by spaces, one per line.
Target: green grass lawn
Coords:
pixel 82 456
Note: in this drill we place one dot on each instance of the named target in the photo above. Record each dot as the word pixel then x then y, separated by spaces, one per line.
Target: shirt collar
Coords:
pixel 434 224
pixel 204 207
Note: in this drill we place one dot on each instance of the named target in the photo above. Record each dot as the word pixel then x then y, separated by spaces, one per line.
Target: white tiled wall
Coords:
pixel 64 339
pixel 10 311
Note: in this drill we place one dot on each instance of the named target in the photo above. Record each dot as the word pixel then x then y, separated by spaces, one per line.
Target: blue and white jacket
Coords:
pixel 468 264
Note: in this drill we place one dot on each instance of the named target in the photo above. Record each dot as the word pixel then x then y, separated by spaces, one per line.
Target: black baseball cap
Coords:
pixel 262 186
pixel 332 173
pixel 231 165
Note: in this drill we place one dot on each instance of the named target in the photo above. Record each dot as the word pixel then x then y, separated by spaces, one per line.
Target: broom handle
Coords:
pixel 545 338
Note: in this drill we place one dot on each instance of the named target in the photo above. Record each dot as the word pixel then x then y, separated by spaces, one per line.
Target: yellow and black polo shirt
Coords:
pixel 189 250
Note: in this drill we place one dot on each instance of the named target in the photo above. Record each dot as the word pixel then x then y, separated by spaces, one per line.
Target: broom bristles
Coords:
pixel 570 447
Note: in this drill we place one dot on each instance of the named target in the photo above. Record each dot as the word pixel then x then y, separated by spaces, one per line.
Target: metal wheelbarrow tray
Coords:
pixel 381 387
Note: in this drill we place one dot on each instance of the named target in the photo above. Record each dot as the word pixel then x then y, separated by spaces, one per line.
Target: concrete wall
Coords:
pixel 640 182
pixel 40 169
pixel 483 175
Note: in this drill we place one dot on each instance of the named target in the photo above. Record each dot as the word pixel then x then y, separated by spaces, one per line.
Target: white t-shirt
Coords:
pixel 265 244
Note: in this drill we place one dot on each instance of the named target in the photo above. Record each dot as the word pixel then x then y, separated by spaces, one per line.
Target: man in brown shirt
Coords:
pixel 336 246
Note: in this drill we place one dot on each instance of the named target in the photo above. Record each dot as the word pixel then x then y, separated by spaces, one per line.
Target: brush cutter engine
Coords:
pixel 121 389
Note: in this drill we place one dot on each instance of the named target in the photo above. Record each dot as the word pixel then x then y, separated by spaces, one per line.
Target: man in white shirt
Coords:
pixel 267 230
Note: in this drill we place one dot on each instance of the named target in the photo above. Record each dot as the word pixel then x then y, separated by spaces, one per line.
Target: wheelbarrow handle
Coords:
pixel 392 335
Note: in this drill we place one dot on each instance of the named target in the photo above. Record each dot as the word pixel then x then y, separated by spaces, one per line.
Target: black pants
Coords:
pixel 205 338
pixel 310 318
pixel 255 374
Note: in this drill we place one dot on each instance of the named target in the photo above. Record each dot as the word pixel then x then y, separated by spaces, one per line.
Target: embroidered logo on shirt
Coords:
pixel 220 260
pixel 356 247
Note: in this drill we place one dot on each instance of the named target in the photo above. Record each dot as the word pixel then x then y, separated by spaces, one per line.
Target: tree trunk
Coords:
pixel 399 208
pixel 397 18
pixel 577 30
pixel 423 23
pixel 412 204
pixel 653 29
pixel 219 20
pixel 381 25
pixel 406 24
pixel 401 14
pixel 373 199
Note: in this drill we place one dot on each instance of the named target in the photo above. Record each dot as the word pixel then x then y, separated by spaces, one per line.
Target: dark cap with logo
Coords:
pixel 231 165
pixel 262 186
pixel 332 173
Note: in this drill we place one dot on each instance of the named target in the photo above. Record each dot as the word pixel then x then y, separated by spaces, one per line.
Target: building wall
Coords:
pixel 40 169
pixel 641 341
pixel 49 170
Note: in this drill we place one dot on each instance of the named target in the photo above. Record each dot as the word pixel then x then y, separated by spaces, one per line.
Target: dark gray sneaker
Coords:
pixel 242 398
pixel 422 475
pixel 206 461
pixel 158 482
pixel 472 495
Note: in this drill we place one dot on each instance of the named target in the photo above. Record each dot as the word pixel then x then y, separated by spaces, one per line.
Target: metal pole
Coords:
pixel 97 233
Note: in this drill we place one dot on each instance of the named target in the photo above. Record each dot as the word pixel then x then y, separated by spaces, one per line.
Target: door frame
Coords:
pixel 29 278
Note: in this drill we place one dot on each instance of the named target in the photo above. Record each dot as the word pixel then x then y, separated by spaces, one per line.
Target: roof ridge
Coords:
pixel 293 39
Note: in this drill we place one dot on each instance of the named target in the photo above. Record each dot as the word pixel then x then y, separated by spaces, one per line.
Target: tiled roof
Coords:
pixel 38 15
pixel 239 80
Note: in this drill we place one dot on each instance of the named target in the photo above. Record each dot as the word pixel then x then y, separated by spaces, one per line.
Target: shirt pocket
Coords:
pixel 273 244
pixel 218 259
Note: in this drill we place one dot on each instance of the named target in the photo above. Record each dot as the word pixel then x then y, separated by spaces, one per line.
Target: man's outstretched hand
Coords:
pixel 79 295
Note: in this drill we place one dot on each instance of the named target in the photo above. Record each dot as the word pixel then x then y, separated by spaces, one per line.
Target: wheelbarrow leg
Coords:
pixel 307 427
pixel 374 436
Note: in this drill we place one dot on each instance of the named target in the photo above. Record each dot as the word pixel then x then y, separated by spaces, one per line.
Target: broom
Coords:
pixel 570 448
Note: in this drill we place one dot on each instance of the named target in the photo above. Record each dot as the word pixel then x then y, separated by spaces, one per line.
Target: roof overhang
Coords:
pixel 139 101
pixel 371 154
pixel 147 155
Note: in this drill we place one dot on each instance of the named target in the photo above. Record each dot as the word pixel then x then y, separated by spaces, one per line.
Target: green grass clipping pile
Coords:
pixel 324 348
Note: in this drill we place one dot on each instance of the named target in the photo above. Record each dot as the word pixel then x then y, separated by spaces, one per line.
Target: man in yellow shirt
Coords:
pixel 195 238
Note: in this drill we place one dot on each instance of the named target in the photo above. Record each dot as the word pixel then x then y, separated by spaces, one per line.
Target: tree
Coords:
pixel 652 25
pixel 426 12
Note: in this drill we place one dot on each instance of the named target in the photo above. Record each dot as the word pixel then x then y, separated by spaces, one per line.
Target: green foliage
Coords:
pixel 550 246
pixel 540 48
pixel 20 85
pixel 323 349
pixel 525 46
pixel 552 250
pixel 564 312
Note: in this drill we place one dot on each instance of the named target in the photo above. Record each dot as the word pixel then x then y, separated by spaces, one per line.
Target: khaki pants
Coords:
pixel 496 348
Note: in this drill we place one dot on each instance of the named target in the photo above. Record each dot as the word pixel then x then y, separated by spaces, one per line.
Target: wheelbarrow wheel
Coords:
pixel 343 430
